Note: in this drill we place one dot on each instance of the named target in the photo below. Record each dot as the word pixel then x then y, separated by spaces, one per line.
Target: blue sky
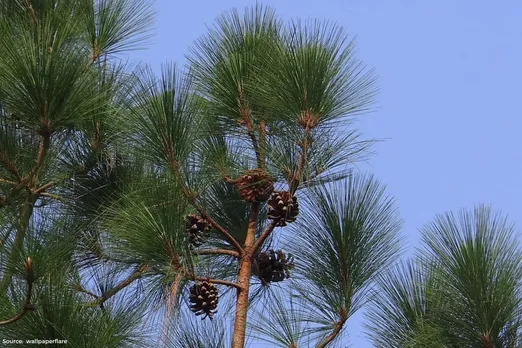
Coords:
pixel 449 73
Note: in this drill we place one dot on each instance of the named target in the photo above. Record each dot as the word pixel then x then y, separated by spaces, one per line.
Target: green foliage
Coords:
pixel 148 225
pixel 164 121
pixel 46 79
pixel 463 291
pixel 317 73
pixel 285 323
pixel 351 236
pixel 115 26
pixel 60 314
pixel 480 261
pixel 197 334
pixel 406 305
pixel 231 60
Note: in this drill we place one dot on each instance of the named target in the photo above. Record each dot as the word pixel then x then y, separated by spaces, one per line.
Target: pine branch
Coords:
pixel 296 180
pixel 27 304
pixel 100 300
pixel 5 181
pixel 44 187
pixel 212 280
pixel 266 233
pixel 218 227
pixel 337 329
pixel 122 285
pixel 32 12
pixel 219 281
pixel 53 196
pixel 43 148
pixel 217 252
pixel 246 120
pixel 80 288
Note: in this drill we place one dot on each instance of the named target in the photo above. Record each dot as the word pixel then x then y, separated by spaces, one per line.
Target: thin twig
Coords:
pixel 218 227
pixel 44 187
pixel 5 181
pixel 245 115
pixel 122 285
pixel 219 281
pixel 217 252
pixel 337 329
pixel 53 196
pixel 80 288
pixel 264 235
pixel 21 230
pixel 229 180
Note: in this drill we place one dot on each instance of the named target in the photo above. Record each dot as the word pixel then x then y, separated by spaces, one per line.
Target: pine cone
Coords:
pixel 196 229
pixel 255 186
pixel 283 207
pixel 273 266
pixel 204 299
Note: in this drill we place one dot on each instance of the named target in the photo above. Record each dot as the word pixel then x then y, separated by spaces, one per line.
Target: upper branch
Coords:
pixel 43 148
pixel 268 230
pixel 247 121
pixel 122 285
pixel 218 227
pixel 304 145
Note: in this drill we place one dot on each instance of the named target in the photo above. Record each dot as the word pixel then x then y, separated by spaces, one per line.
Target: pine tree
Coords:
pixel 462 289
pixel 139 209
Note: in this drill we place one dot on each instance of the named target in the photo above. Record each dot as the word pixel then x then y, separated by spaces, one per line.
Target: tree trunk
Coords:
pixel 245 271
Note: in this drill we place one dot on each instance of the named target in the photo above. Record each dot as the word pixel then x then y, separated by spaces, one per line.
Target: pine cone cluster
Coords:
pixel 255 186
pixel 197 227
pixel 283 207
pixel 274 266
pixel 204 299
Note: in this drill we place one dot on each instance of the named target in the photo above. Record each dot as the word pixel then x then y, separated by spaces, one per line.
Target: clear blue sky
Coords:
pixel 450 74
